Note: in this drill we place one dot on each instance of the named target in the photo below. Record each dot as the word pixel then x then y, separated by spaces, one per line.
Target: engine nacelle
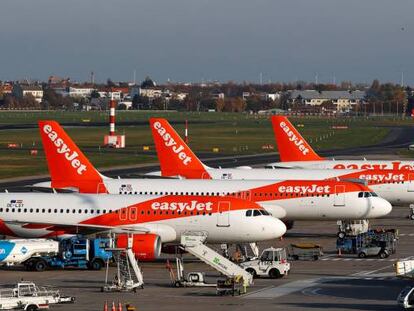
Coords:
pixel 146 247
pixel 275 210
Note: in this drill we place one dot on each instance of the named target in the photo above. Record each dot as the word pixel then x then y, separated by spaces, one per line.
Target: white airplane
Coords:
pixel 295 152
pixel 396 186
pixel 155 220
pixel 285 199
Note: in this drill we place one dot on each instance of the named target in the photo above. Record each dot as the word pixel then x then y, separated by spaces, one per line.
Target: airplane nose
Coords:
pixel 275 228
pixel 379 208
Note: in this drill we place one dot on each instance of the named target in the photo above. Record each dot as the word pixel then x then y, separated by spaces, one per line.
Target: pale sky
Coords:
pixel 195 40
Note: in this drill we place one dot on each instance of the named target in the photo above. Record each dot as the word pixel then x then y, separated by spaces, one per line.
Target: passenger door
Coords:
pixel 133 213
pixel 339 195
pixel 223 215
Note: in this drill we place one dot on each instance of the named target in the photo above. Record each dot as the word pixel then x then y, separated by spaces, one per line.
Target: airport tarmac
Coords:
pixel 334 283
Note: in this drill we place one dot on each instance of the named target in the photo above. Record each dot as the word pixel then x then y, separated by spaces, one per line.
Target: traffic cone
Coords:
pixel 105 306
pixel 119 306
pixel 113 306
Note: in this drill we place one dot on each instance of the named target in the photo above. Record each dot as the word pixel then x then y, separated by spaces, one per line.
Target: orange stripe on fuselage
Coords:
pixel 5 230
pixel 168 207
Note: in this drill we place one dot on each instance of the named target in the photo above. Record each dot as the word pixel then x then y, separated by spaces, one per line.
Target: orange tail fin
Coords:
pixel 292 146
pixel 176 158
pixel 68 166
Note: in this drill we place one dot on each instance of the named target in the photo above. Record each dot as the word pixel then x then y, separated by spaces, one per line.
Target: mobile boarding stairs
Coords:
pixel 193 243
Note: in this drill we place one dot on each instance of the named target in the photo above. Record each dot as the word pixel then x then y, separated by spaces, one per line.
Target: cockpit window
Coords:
pixel 266 213
pixel 249 213
pixel 367 194
pixel 256 213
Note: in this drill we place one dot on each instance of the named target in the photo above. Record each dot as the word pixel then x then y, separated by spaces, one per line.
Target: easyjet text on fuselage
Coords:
pixel 183 206
pixel 305 189
pixel 380 166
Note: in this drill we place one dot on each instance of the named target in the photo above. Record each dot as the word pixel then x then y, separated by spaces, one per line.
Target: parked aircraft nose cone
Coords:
pixel 379 207
pixel 274 228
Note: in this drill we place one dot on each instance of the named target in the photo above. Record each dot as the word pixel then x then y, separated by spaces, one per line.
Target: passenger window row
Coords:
pixel 97 211
pixel 55 211
pixel 234 194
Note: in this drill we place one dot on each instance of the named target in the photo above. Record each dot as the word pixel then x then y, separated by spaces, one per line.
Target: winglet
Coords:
pixel 176 158
pixel 292 146
pixel 68 166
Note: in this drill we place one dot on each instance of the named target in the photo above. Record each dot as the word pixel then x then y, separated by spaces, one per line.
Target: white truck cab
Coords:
pixel 272 263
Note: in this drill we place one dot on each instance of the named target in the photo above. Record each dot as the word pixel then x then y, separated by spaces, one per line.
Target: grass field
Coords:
pixel 231 133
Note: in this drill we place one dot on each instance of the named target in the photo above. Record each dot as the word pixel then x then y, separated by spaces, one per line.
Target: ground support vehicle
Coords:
pixel 372 243
pixel 272 263
pixel 18 251
pixel 192 279
pixel 404 269
pixel 128 275
pixel 304 251
pixel 411 215
pixel 74 252
pixel 193 243
pixel 352 227
pixel 406 298
pixel 27 296
pixel 39 254
pixel 231 286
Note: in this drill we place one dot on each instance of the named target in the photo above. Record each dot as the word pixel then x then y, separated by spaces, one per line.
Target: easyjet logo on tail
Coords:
pixel 182 206
pixel 62 148
pixel 299 143
pixel 305 189
pixel 170 142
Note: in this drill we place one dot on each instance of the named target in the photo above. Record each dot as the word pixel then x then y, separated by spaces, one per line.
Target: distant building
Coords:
pixel 111 95
pixel 22 90
pixel 150 92
pixel 342 100
pixel 55 80
pixel 272 96
pixel 79 91
pixel 263 95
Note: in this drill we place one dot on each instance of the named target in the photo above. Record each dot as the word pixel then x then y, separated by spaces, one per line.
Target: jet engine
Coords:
pixel 146 247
